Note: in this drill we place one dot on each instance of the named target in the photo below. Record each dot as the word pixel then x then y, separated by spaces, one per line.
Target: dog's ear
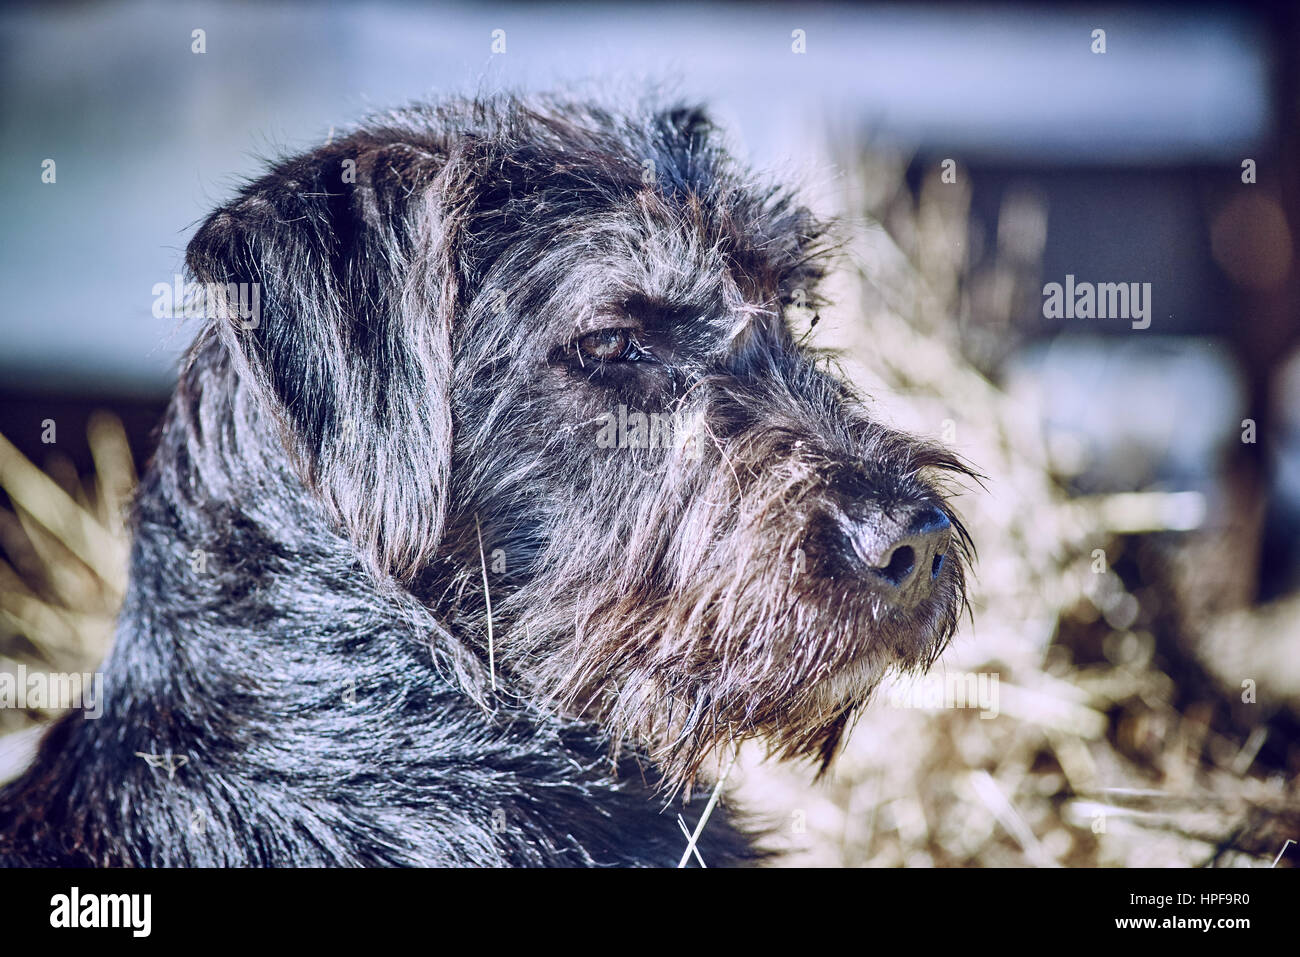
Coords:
pixel 790 243
pixel 686 133
pixel 686 122
pixel 350 251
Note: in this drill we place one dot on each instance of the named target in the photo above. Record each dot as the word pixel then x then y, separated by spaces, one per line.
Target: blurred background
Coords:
pixel 1137 602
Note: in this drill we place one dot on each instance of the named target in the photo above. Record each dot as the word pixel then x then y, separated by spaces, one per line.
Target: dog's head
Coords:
pixel 542 351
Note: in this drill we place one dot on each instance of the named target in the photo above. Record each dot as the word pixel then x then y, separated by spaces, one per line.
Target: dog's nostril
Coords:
pixel 901 551
pixel 927 520
pixel 900 566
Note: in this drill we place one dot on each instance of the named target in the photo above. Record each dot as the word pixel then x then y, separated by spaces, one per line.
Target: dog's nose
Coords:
pixel 903 552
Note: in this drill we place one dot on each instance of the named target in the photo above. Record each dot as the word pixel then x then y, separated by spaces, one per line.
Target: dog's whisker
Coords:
pixel 487 600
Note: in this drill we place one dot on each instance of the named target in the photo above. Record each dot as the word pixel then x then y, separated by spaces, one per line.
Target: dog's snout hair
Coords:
pixel 519 502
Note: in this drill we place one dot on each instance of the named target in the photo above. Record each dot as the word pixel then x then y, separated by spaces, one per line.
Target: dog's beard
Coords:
pixel 789 666
pixel 711 624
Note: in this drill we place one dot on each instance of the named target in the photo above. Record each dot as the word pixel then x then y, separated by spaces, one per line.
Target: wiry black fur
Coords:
pixel 306 622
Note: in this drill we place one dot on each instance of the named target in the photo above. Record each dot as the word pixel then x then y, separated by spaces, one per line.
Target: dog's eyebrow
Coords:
pixel 606 319
pixel 648 311
pixel 642 307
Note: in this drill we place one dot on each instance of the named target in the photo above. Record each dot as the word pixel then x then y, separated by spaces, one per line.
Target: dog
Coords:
pixel 513 509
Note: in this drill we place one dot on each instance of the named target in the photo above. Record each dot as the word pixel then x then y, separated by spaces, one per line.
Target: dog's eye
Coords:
pixel 608 345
